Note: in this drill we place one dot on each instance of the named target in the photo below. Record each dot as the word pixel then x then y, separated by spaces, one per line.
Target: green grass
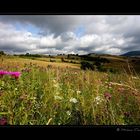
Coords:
pixel 65 96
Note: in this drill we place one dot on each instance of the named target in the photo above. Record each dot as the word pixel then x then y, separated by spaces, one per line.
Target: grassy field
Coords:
pixel 56 93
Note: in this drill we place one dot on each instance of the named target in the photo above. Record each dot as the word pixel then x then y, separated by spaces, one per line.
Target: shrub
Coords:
pixel 87 65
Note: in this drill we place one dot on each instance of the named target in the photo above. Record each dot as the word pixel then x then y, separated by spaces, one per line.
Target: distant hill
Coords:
pixel 132 54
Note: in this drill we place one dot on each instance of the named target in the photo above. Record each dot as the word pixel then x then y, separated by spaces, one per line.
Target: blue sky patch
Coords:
pixel 27 27
pixel 79 31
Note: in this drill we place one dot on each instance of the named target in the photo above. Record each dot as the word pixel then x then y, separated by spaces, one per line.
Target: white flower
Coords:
pixel 78 92
pixel 68 113
pixel 73 100
pixel 16 89
pixel 57 98
pixel 98 100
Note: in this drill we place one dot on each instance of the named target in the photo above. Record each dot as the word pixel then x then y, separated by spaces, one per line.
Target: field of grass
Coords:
pixel 54 93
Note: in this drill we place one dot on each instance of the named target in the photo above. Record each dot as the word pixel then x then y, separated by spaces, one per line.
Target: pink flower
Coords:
pixel 15 74
pixel 3 73
pixel 107 96
pixel 3 121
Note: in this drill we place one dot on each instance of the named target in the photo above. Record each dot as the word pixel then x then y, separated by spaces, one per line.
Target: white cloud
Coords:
pixel 104 34
pixel 49 41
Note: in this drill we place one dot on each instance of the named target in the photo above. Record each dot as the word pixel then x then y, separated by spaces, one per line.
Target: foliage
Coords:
pixel 64 96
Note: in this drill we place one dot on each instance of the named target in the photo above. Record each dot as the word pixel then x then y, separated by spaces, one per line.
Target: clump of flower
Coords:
pixel 107 96
pixel 2 73
pixel 73 100
pixel 68 113
pixel 13 74
pixel 3 121
pixel 16 75
pixel 78 91
pixel 98 100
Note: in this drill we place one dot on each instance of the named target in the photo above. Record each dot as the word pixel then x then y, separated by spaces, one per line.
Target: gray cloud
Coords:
pixel 56 24
pixel 59 34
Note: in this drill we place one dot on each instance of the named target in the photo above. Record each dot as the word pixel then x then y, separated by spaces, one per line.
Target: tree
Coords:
pixel 62 59
pixel 68 56
pixel 2 53
pixel 27 54
pixel 87 65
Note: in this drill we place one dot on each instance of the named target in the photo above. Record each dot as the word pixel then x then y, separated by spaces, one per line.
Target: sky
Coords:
pixel 69 34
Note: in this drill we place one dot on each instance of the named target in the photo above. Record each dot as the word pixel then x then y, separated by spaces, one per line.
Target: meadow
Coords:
pixel 56 93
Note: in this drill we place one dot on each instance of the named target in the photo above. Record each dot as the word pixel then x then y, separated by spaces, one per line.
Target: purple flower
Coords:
pixel 15 74
pixel 3 72
pixel 107 96
pixel 3 121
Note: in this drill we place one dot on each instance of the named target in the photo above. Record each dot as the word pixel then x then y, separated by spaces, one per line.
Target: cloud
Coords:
pixel 69 33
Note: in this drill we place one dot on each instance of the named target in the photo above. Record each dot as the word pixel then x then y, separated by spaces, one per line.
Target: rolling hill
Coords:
pixel 132 54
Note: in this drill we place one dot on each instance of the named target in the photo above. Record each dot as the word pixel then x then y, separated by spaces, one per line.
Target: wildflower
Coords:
pixel 3 73
pixel 68 113
pixel 98 100
pixel 78 91
pixel 3 121
pixel 73 100
pixel 58 98
pixel 120 89
pixel 16 89
pixel 15 74
pixel 107 96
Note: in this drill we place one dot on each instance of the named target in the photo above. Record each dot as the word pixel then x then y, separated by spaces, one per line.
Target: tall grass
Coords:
pixel 58 96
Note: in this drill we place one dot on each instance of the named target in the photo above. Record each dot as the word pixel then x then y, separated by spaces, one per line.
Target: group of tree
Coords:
pixel 68 54
pixel 2 53
pixel 30 55
pixel 68 61
pixel 96 66
pixel 95 59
